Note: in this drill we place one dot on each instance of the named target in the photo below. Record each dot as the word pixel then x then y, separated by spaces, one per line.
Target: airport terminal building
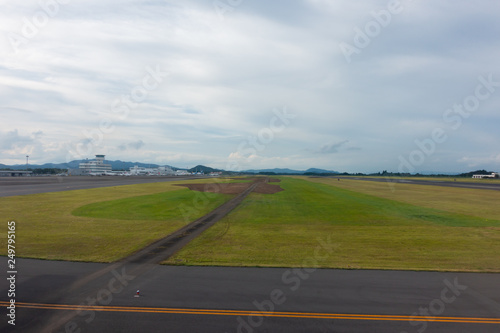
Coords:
pixel 95 167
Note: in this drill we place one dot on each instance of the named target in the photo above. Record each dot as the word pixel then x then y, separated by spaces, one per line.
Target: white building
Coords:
pixel 160 171
pixel 493 175
pixel 95 167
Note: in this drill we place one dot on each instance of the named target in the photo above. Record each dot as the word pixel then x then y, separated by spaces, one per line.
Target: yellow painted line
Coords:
pixel 309 315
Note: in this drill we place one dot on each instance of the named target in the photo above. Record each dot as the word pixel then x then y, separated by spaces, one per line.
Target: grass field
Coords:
pixel 471 202
pixel 439 179
pixel 351 229
pixel 102 224
pixel 316 222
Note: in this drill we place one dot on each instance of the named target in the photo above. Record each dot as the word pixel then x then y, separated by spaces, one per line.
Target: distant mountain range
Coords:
pixel 115 165
pixel 121 165
pixel 290 171
pixel 204 169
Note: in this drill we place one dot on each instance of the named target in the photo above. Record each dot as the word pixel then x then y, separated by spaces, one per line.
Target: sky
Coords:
pixel 351 86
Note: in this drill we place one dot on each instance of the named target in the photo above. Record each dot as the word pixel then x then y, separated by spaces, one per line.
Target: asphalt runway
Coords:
pixel 215 299
pixel 477 186
pixel 11 186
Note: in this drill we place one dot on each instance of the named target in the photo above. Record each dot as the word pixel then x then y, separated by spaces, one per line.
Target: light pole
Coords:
pixel 27 156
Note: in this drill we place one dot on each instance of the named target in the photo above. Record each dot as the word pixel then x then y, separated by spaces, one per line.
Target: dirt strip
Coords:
pixel 139 263
pixel 166 247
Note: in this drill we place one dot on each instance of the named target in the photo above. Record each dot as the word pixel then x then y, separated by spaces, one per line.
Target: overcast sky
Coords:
pixel 357 86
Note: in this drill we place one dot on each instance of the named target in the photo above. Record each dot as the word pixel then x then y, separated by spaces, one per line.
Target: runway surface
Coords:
pixel 54 296
pixel 11 186
pixel 216 299
pixel 471 185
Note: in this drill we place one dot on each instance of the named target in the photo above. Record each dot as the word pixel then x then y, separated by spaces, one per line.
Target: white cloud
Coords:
pixel 491 162
pixel 226 76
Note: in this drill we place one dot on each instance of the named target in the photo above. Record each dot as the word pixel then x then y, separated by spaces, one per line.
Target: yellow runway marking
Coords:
pixel 253 313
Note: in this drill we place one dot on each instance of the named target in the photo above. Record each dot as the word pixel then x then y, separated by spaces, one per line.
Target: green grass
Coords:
pixel 314 222
pixel 160 206
pixel 102 224
pixel 471 202
pixel 429 178
pixel 364 231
